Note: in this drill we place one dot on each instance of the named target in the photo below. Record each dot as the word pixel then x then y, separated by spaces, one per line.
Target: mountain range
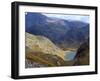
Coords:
pixel 63 33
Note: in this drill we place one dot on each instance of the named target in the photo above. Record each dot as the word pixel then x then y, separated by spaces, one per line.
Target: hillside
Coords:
pixel 39 59
pixel 42 44
pixel 82 55
pixel 41 52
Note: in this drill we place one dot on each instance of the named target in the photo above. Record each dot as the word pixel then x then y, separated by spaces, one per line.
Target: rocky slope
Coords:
pixel 82 55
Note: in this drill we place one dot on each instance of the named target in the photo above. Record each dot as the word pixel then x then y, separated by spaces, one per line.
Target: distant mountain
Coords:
pixel 34 19
pixel 63 33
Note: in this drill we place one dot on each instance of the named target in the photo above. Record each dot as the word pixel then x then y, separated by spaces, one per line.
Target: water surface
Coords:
pixel 70 55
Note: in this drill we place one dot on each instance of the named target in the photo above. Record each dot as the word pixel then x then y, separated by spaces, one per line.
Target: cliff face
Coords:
pixel 82 55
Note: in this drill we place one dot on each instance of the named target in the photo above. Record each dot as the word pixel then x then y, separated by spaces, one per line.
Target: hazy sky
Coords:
pixel 84 18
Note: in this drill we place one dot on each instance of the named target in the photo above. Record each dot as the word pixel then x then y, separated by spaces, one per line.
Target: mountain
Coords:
pixel 34 19
pixel 82 55
pixel 42 44
pixel 63 33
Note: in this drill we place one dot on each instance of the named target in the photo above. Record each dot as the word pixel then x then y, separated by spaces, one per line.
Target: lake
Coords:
pixel 70 55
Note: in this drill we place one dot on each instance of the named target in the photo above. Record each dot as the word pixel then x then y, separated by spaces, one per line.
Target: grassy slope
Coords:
pixel 41 50
pixel 45 59
pixel 42 44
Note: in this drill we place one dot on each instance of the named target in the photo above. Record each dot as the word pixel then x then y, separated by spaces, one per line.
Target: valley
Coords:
pixel 52 41
pixel 40 51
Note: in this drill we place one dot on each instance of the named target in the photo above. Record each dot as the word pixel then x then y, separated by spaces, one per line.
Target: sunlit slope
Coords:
pixel 42 44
